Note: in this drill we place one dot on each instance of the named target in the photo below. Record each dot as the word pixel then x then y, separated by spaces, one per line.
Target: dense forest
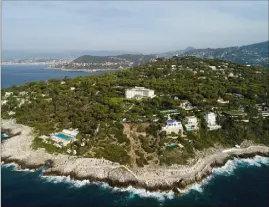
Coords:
pixel 128 131
pixel 126 57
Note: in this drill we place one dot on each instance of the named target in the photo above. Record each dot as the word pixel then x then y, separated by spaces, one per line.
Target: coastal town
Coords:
pixel 36 61
pixel 90 63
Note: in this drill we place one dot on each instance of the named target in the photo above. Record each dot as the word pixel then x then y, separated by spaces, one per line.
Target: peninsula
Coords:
pixel 162 125
pixel 88 62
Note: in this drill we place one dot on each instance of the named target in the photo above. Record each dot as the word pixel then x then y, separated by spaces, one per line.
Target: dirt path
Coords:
pixel 131 153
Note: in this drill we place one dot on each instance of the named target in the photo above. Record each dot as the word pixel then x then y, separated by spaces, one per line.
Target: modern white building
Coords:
pixel 173 67
pixel 7 94
pixel 191 123
pixel 23 93
pixel 220 100
pixel 139 93
pixel 263 109
pixel 3 102
pixel 213 67
pixel 173 126
pixel 211 121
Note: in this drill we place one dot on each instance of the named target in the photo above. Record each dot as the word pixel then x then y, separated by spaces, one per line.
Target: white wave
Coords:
pixel 25 170
pixel 15 167
pixel 161 196
pixel 231 165
pixel 65 179
pixel 133 191
pixel 138 191
pixel 256 161
pixel 12 165
pixel 199 187
pixel 227 170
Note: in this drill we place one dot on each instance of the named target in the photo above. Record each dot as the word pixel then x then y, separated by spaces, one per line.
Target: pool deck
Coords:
pixel 64 141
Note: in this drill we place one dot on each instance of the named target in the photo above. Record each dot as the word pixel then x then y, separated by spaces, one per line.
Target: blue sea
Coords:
pixel 241 182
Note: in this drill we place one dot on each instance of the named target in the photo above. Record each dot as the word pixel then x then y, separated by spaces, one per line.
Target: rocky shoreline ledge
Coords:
pixel 18 150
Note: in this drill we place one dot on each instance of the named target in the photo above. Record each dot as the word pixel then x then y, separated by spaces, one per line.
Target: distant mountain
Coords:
pixel 178 52
pixel 254 54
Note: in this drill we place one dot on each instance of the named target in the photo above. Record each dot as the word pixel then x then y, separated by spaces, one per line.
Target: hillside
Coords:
pixel 131 131
pixel 254 54
pixel 106 62
pixel 177 52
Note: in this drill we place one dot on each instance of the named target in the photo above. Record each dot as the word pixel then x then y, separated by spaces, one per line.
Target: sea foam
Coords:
pixel 227 170
pixel 161 196
pixel 65 179
pixel 231 165
pixel 15 167
pixel 133 191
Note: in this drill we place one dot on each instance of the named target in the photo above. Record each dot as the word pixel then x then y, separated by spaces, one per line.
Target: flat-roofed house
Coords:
pixel 7 94
pixel 191 123
pixel 222 101
pixel 211 121
pixel 139 93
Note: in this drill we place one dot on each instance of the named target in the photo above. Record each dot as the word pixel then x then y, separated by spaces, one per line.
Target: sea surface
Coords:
pixel 20 74
pixel 240 182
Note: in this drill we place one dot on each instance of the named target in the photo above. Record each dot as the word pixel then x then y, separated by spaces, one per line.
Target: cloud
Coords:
pixel 142 26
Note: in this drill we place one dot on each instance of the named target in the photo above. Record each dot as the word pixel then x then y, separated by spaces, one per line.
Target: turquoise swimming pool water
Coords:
pixel 62 136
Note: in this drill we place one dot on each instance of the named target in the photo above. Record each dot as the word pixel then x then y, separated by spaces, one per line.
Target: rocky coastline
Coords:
pixel 176 178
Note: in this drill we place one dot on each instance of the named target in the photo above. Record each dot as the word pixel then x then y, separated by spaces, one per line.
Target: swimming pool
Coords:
pixel 62 136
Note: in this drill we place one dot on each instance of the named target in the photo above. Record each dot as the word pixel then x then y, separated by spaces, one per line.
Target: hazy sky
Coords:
pixel 143 26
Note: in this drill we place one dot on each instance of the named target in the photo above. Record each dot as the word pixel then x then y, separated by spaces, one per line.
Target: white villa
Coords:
pixel 211 121
pixel 3 102
pixel 213 67
pixel 263 109
pixel 220 100
pixel 173 67
pixel 22 93
pixel 7 94
pixel 173 126
pixel 191 123
pixel 139 93
pixel 186 105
